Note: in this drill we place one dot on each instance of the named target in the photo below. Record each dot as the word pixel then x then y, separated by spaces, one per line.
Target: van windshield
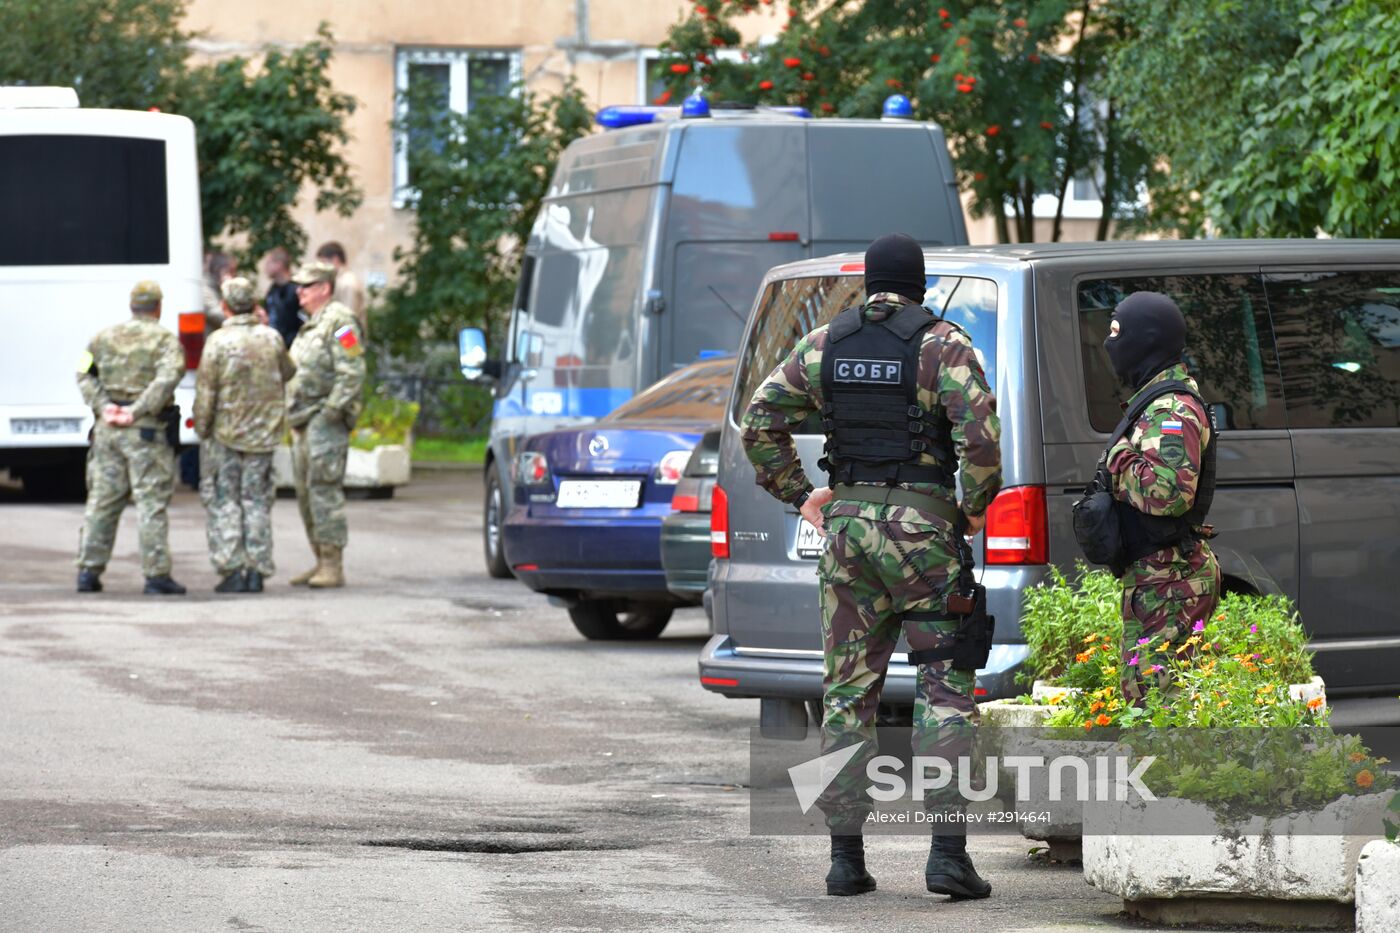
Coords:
pixel 791 308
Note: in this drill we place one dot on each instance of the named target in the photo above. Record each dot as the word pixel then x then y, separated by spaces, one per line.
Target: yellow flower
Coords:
pixel 1223 703
pixel 1092 638
pixel 1185 647
pixel 1265 689
pixel 1106 692
pixel 1268 660
pixel 1057 699
pixel 1357 757
pixel 1114 705
pixel 1165 645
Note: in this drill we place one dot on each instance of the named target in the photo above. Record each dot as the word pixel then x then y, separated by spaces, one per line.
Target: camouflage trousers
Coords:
pixel 128 463
pixel 319 450
pixel 237 491
pixel 867 588
pixel 1164 596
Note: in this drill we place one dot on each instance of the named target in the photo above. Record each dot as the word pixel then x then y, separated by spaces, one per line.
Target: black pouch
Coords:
pixel 147 434
pixel 974 642
pixel 1096 522
pixel 169 417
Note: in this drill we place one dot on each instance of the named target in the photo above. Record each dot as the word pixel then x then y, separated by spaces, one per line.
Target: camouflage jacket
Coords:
pixel 239 397
pixel 1155 468
pixel 950 377
pixel 137 362
pixel 330 362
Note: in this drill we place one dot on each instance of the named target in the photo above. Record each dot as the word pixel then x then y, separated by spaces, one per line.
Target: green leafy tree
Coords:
pixel 266 132
pixel 1017 87
pixel 1322 151
pixel 479 179
pixel 116 53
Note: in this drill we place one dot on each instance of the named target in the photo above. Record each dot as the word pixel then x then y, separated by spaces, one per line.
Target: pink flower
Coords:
pixel 1200 626
pixel 1143 641
pixel 1254 630
pixel 1154 668
pixel 1132 662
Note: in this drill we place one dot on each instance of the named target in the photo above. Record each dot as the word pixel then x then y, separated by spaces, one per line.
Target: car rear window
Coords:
pixel 1229 346
pixel 789 309
pixel 82 200
pixel 696 393
pixel 1339 346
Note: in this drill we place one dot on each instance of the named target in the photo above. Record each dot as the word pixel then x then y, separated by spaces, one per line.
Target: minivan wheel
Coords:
pixel 604 620
pixel 493 519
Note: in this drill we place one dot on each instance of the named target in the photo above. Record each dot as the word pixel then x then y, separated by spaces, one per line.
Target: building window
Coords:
pixel 447 79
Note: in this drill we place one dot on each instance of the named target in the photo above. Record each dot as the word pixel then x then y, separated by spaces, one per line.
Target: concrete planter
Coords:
pixel 1057 823
pixel 1378 888
pixel 1295 870
pixel 381 468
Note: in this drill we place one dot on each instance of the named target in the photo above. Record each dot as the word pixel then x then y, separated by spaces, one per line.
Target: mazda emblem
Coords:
pixel 598 446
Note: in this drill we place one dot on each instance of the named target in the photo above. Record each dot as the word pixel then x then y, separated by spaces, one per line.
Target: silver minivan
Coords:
pixel 1296 346
pixel 653 238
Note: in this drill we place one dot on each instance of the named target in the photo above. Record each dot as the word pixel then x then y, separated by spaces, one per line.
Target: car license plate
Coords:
pixel 44 425
pixel 599 494
pixel 810 543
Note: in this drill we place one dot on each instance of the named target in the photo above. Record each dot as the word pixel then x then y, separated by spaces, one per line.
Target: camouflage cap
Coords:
pixel 315 271
pixel 238 293
pixel 145 295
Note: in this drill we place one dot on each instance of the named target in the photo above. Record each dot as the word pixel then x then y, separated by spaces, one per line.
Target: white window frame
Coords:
pixel 648 55
pixel 459 59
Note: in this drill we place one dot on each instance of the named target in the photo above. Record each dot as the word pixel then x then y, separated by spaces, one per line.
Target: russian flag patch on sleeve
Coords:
pixel 347 339
pixel 1171 427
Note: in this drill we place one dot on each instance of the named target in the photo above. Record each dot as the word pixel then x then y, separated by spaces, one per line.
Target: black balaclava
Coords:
pixel 1147 335
pixel 895 263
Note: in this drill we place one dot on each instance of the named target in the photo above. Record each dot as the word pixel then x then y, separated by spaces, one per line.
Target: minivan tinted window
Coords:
pixel 83 200
pixel 1339 346
pixel 789 309
pixel 696 393
pixel 1229 347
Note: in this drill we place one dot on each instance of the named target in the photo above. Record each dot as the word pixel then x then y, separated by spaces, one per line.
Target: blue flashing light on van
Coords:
pixel 898 107
pixel 618 117
pixel 695 106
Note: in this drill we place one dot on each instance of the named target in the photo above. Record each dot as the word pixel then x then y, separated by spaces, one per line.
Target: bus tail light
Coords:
pixel 1017 531
pixel 192 337
pixel 719 524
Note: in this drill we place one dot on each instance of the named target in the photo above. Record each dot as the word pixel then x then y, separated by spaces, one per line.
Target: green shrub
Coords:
pixel 384 421
pixel 1059 617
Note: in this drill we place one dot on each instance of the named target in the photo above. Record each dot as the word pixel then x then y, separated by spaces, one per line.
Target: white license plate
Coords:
pixel 599 494
pixel 44 425
pixel 810 543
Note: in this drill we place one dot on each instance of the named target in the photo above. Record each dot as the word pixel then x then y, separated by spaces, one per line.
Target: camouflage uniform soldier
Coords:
pixel 323 401
pixel 240 414
pixel 891 526
pixel 1163 471
pixel 128 376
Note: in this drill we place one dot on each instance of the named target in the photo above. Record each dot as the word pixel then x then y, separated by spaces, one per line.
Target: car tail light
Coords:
pixel 1016 527
pixel 687 497
pixel 531 468
pixel 669 471
pixel 191 327
pixel 719 524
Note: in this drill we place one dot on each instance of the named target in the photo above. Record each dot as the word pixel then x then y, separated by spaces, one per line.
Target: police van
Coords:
pixel 1296 347
pixel 655 234
pixel 91 202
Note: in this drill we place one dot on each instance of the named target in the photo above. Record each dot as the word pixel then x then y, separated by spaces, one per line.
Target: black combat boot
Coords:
pixel 89 581
pixel 163 586
pixel 950 871
pixel 848 875
pixel 233 583
pixel 252 581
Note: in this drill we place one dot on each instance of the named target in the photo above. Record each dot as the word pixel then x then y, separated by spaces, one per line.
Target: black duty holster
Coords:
pixel 972 643
pixel 169 417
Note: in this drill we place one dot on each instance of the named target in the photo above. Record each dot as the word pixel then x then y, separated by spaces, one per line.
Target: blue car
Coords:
pixel 585 524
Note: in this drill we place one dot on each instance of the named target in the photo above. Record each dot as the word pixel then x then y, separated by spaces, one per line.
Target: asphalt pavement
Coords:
pixel 426 749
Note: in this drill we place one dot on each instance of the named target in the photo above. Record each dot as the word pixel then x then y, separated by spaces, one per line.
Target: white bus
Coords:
pixel 91 202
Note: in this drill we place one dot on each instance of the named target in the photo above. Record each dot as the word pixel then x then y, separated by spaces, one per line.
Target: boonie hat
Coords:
pixel 145 295
pixel 238 293
pixel 315 271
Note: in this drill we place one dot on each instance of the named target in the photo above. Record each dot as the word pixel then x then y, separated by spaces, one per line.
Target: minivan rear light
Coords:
pixel 719 524
pixel 191 328
pixel 1016 528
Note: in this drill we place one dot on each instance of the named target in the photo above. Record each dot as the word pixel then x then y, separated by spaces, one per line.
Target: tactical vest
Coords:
pixel 876 432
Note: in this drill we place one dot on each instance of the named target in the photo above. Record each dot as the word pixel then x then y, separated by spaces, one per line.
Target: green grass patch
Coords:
pixel 450 450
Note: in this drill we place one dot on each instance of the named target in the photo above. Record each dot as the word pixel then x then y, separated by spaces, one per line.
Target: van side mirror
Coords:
pixel 471 353
pixel 1221 417
pixel 655 302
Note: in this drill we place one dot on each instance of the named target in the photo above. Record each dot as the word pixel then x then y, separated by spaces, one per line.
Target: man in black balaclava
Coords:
pixel 1163 474
pixel 1147 335
pixel 894 456
pixel 894 264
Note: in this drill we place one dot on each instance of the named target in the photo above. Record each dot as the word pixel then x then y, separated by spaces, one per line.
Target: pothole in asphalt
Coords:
pixel 485 846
